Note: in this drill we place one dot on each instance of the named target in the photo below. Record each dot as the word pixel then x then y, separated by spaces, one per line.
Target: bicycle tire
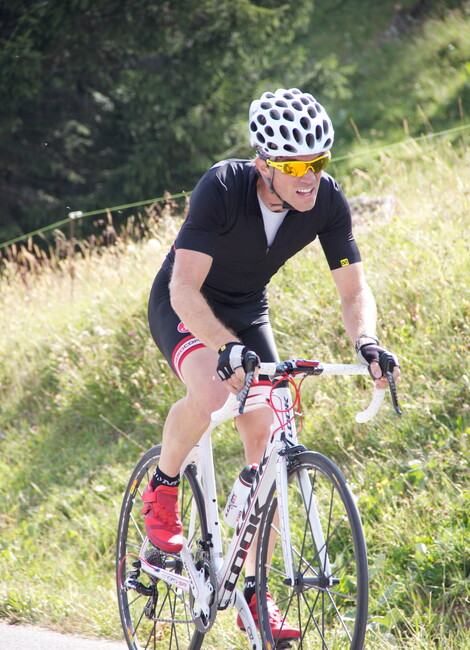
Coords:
pixel 159 616
pixel 327 616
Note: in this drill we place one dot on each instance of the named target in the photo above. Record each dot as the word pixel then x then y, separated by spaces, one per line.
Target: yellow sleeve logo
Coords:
pixel 344 262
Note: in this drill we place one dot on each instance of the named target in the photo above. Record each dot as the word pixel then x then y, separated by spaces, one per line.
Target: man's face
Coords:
pixel 299 191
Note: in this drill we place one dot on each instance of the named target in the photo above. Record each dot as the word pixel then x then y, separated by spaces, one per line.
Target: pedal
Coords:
pixel 284 644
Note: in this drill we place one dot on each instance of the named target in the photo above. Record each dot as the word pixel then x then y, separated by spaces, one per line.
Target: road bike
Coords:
pixel 311 552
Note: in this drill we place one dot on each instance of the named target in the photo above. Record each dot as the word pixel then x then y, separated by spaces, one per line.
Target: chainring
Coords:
pixel 202 623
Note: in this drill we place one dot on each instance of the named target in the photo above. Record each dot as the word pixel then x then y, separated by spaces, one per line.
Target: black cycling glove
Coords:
pixel 371 352
pixel 231 357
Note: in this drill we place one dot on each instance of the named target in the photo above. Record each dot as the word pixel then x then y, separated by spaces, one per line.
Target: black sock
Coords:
pixel 160 478
pixel 249 589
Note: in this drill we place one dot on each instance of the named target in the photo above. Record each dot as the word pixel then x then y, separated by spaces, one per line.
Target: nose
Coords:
pixel 309 174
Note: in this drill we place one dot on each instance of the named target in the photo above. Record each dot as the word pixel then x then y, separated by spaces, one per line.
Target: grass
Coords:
pixel 84 391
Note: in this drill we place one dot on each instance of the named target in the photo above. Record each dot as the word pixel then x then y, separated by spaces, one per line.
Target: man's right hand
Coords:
pixel 231 357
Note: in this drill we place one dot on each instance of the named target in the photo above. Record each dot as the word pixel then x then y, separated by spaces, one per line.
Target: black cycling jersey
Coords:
pixel 225 222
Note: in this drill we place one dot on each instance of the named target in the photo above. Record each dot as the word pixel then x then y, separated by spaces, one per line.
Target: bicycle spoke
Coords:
pixel 312 617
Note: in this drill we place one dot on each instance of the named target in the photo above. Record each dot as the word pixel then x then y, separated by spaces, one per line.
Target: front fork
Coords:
pixel 285 458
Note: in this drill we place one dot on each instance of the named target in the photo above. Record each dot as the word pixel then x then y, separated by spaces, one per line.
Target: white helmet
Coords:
pixel 289 122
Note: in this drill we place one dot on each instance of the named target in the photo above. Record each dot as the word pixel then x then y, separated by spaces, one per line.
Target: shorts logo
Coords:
pixel 183 348
pixel 182 329
pixel 344 262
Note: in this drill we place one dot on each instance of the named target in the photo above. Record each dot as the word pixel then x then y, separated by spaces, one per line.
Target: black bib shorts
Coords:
pixel 249 322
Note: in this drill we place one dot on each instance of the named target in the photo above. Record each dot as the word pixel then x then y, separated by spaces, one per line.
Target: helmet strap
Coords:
pixel 270 184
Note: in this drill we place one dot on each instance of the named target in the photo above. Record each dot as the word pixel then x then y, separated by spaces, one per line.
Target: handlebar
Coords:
pixel 304 367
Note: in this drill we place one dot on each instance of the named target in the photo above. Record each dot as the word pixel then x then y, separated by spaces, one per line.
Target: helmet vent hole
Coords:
pixel 269 131
pixel 312 112
pixel 305 122
pixel 328 143
pixel 260 137
pixel 261 119
pixel 281 103
pixel 310 140
pixel 288 115
pixel 325 127
pixel 318 132
pixel 284 132
pixel 290 148
pixel 305 101
pixel 265 105
pixel 253 127
pixel 297 105
pixel 297 136
pixel 272 145
pixel 274 113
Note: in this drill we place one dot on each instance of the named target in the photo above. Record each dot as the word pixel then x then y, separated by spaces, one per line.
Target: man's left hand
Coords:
pixel 371 354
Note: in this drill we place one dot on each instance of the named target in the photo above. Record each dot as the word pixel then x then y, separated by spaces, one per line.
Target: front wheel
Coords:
pixel 155 614
pixel 327 601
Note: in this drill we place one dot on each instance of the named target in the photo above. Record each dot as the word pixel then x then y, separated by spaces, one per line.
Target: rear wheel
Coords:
pixel 153 613
pixel 328 602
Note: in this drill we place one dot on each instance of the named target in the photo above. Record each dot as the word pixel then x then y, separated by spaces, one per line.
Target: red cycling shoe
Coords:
pixel 279 628
pixel 162 520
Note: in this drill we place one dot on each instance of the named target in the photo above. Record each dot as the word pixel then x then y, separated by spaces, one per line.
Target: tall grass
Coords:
pixel 84 391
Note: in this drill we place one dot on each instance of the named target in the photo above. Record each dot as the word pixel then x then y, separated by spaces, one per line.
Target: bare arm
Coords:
pixel 357 302
pixel 359 310
pixel 189 272
pixel 190 269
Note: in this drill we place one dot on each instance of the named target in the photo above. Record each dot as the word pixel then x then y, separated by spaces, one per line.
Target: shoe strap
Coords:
pixel 167 516
pixel 149 497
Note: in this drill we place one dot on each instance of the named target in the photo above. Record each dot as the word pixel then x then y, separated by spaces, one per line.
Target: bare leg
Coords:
pixel 190 416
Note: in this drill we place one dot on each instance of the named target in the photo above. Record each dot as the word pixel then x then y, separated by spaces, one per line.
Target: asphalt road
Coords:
pixel 28 637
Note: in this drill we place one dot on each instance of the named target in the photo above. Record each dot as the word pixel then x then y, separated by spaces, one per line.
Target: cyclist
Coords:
pixel 208 305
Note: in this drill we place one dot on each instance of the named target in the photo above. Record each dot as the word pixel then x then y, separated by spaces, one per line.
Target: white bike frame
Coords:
pixel 272 469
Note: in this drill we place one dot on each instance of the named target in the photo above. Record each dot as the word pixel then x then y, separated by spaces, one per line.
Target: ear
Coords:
pixel 262 167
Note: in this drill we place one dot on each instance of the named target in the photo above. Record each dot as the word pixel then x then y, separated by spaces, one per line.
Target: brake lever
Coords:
pixel 387 363
pixel 243 392
pixel 250 364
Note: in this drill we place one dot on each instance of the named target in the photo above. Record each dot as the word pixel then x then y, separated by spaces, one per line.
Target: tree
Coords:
pixel 116 101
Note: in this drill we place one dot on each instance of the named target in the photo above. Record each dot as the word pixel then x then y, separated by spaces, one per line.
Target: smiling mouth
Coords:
pixel 306 193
